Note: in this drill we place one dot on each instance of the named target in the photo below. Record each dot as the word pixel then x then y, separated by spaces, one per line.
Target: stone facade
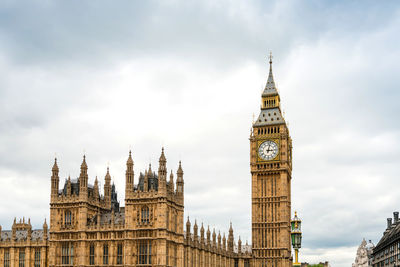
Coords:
pixel 387 251
pixel 271 170
pixel 88 228
pixel 364 254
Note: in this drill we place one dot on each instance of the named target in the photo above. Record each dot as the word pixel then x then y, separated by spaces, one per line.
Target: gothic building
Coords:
pixel 88 228
pixel 364 254
pixel 387 251
pixel 271 173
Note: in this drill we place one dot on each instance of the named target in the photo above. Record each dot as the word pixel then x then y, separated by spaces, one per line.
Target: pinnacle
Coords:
pixel 55 166
pixel 130 160
pixel 162 157
pixel 270 88
pixel 84 165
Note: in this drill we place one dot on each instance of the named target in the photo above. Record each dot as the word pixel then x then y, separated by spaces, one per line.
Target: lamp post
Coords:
pixel 296 237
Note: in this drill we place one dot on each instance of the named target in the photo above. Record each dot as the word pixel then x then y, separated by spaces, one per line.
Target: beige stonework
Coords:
pixel 91 229
pixel 271 169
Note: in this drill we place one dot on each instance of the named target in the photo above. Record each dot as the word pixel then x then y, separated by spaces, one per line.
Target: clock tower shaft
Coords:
pixel 271 182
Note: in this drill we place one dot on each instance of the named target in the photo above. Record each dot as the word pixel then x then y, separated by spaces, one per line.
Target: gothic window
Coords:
pixel 37 257
pixel 236 263
pixel 144 252
pixel 105 254
pixel 175 221
pixel 91 254
pixel 119 254
pixel 67 217
pixel 246 263
pixel 6 258
pixel 21 258
pixel 145 215
pixel 67 253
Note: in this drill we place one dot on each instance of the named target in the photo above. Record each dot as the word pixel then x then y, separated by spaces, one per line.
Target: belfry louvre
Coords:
pixel 87 228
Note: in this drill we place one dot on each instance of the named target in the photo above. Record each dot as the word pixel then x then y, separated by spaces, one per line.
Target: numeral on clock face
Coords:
pixel 268 150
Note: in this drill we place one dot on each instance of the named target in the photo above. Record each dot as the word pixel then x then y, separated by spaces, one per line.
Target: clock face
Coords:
pixel 268 150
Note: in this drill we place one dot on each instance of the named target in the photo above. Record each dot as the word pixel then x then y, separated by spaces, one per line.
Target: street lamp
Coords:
pixel 296 237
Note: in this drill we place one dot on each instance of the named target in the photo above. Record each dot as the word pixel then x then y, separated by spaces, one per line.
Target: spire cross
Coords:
pixel 270 57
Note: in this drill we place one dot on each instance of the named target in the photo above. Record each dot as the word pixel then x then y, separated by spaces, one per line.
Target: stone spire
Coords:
pixel 188 227
pixel 171 182
pixel 208 235
pixel 219 239
pixel 96 189
pixel 55 180
pixel 162 173
pixel 69 186
pixel 107 188
pixel 224 242
pixel 195 231
pixel 230 239
pixel 270 88
pixel 270 103
pixel 239 246
pixel 146 179
pixel 180 183
pixel 83 178
pixel 202 233
pixel 45 229
pixel 129 176
pixel 214 238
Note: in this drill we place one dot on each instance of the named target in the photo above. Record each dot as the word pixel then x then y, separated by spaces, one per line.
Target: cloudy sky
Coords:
pixel 102 77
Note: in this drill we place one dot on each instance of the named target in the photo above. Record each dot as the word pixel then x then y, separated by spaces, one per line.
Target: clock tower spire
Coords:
pixel 271 169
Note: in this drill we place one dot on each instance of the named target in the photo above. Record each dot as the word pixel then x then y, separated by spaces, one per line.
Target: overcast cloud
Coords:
pixel 106 76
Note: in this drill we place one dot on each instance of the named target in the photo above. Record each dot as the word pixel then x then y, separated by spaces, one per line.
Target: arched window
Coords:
pixel 145 215
pixel 67 217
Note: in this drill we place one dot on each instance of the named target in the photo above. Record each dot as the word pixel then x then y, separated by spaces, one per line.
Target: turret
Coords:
pixel 239 246
pixel 171 182
pixel 55 180
pixel 45 230
pixel 14 229
pixel 146 179
pixel 214 237
pixel 188 228
pixel 230 239
pixel 107 189
pixel 224 242
pixel 114 198
pixel 180 183
pixel 129 176
pixel 69 186
pixel 83 179
pixel 195 233
pixel 29 230
pixel 96 189
pixel 219 240
pixel 162 173
pixel 208 236
pixel 202 234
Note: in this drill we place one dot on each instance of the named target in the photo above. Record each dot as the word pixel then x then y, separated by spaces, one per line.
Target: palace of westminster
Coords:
pixel 87 228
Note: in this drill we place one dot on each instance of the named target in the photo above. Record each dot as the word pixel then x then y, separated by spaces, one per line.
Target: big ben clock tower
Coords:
pixel 271 170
